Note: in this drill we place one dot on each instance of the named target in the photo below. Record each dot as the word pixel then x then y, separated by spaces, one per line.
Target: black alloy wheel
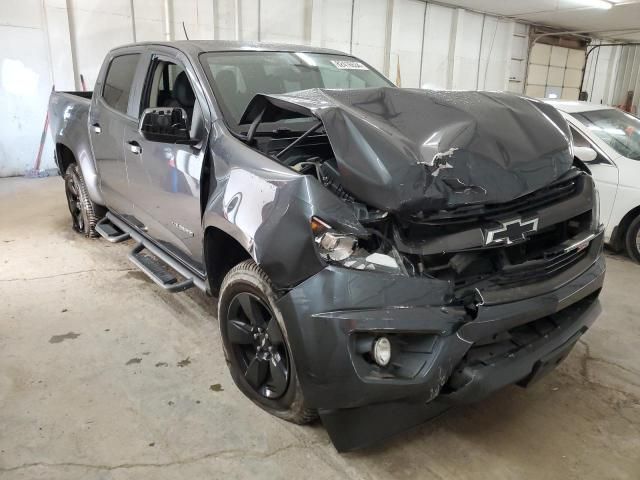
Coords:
pixel 258 345
pixel 74 202
pixel 84 213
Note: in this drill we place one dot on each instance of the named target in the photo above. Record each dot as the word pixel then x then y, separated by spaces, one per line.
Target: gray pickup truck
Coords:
pixel 378 254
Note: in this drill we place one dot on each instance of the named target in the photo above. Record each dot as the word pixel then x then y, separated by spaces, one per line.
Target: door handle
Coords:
pixel 96 128
pixel 135 147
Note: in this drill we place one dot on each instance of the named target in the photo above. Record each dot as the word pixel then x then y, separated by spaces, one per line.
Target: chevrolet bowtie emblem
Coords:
pixel 512 231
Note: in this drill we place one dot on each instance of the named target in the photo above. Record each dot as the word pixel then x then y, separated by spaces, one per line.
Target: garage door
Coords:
pixel 554 72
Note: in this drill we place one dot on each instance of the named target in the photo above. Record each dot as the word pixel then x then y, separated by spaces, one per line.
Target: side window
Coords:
pixel 170 87
pixel 118 82
pixel 579 140
pixel 162 84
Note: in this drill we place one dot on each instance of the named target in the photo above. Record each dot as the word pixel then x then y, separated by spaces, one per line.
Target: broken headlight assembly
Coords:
pixel 346 250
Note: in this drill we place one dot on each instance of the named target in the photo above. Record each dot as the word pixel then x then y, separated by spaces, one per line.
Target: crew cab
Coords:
pixel 608 140
pixel 378 254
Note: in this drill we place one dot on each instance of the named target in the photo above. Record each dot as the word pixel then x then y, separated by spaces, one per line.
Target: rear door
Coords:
pixel 164 178
pixel 109 116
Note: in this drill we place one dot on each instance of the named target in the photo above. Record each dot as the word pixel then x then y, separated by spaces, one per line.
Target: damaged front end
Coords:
pixel 477 256
pixel 401 150
pixel 433 177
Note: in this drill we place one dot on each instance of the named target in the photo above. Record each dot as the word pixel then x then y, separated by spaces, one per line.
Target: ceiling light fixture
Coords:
pixel 603 4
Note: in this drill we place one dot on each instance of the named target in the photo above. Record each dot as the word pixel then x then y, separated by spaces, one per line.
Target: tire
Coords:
pixel 256 346
pixel 84 213
pixel 632 239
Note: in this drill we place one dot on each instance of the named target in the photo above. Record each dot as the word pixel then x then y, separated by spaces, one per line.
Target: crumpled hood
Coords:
pixel 409 149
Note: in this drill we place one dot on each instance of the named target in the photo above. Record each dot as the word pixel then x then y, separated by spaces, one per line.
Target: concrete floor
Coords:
pixel 104 376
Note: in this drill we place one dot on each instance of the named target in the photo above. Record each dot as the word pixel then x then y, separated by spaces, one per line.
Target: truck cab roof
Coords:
pixel 196 47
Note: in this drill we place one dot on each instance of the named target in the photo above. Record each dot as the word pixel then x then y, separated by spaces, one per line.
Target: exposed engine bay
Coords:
pixel 311 154
pixel 436 221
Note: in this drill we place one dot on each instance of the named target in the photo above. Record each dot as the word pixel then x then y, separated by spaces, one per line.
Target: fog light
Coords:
pixel 382 351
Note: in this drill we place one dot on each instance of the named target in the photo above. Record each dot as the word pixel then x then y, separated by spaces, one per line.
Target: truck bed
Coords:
pixel 68 123
pixel 67 108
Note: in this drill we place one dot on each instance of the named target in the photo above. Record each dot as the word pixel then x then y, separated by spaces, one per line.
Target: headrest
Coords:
pixel 183 92
pixel 227 82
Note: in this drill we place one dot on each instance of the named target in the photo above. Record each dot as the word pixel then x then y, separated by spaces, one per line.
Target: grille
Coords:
pixel 536 260
pixel 471 213
pixel 537 270
pixel 467 262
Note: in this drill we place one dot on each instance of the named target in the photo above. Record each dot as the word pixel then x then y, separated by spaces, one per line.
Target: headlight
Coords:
pixel 343 249
pixel 335 246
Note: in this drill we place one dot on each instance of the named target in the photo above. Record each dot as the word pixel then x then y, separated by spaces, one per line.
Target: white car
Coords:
pixel 608 141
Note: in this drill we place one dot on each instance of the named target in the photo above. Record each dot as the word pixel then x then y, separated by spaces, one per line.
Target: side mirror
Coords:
pixel 166 125
pixel 585 154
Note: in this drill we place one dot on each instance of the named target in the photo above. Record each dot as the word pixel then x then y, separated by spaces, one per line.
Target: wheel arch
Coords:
pixel 620 230
pixel 64 157
pixel 222 252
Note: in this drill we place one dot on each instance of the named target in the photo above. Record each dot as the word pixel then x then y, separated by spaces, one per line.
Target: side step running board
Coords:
pixel 156 271
pixel 110 232
pixel 149 258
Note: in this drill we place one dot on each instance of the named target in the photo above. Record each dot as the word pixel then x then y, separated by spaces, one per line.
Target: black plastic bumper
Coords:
pixel 326 312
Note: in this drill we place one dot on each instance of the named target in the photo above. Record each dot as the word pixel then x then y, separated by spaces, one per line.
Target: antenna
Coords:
pixel 185 31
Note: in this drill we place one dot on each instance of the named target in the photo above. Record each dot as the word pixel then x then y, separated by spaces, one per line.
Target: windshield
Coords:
pixel 616 128
pixel 237 76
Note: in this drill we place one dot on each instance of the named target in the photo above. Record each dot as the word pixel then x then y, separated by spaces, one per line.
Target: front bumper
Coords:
pixel 326 312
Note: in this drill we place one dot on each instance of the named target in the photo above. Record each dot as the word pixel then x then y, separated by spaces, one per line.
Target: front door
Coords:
pixel 164 178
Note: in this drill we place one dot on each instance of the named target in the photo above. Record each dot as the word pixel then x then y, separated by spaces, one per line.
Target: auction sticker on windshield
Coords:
pixel 349 65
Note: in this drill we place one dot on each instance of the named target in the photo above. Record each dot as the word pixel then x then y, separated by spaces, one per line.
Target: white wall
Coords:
pixel 612 72
pixel 518 58
pixel 45 42
pixel 407 27
pixel 25 83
